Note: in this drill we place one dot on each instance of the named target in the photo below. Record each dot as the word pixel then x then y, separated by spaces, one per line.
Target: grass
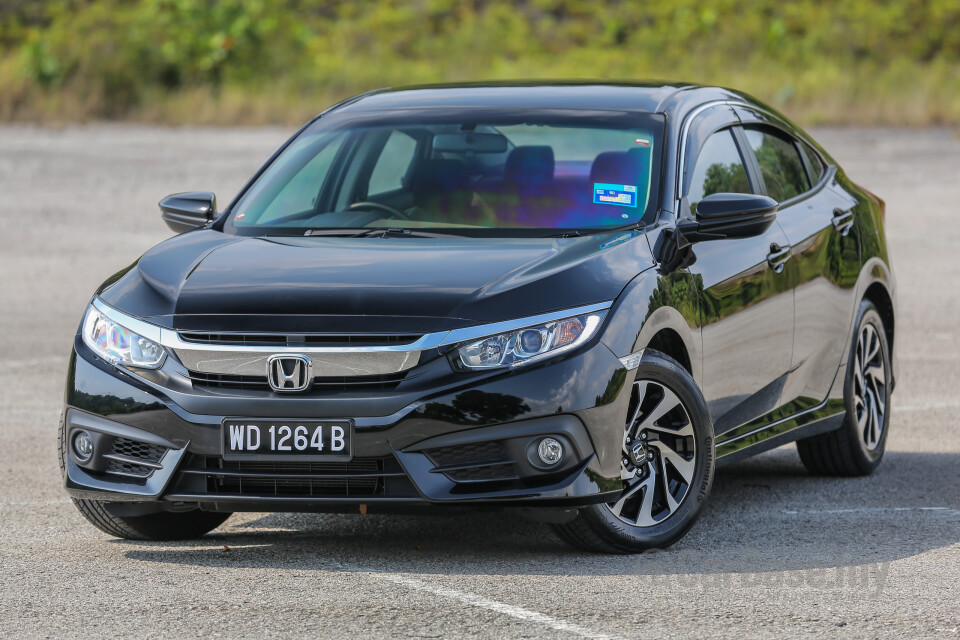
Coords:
pixel 236 62
pixel 894 96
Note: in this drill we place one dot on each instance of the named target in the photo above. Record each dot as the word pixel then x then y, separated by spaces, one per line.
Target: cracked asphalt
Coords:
pixel 777 552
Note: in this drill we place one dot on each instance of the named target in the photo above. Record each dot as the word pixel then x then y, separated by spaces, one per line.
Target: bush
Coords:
pixel 260 60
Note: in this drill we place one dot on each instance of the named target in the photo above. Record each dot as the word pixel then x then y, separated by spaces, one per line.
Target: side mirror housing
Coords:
pixel 185 211
pixel 730 215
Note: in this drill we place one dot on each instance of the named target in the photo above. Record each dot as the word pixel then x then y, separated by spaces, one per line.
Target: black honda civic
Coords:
pixel 570 299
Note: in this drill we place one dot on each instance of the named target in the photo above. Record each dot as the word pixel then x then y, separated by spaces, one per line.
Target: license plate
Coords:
pixel 276 440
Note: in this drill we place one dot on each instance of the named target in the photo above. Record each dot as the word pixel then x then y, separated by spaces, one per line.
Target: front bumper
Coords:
pixel 438 438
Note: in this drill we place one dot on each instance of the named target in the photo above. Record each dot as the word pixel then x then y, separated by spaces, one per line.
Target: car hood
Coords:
pixel 207 280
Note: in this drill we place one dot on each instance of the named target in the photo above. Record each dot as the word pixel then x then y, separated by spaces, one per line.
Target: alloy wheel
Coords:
pixel 659 456
pixel 869 387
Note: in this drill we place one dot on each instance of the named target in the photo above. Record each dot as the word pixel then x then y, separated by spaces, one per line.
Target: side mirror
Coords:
pixel 730 215
pixel 185 211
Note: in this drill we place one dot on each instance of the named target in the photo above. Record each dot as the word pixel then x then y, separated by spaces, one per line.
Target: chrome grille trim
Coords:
pixel 333 361
pixel 325 363
pixel 231 339
pixel 173 340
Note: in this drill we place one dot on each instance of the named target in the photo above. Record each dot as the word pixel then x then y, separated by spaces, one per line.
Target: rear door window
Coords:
pixel 815 166
pixel 779 162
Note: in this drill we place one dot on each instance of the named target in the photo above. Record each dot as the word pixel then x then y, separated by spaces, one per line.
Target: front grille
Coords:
pixel 298 340
pixel 226 381
pixel 134 449
pixel 360 477
pixel 480 474
pixel 133 459
pixel 386 382
pixel 473 462
pixel 474 452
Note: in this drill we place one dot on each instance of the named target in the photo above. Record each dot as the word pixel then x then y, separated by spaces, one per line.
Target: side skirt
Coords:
pixel 827 416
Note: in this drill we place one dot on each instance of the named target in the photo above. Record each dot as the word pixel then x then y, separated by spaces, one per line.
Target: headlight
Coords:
pixel 118 344
pixel 530 344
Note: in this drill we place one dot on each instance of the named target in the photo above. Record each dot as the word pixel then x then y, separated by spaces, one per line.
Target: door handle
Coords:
pixel 778 256
pixel 842 221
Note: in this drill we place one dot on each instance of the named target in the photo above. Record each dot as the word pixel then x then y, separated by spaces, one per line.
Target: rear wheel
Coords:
pixel 666 466
pixel 856 448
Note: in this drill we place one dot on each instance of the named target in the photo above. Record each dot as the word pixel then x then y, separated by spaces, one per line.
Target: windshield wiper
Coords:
pixel 576 233
pixel 381 232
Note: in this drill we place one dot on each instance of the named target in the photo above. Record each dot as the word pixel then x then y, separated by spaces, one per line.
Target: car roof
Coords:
pixel 572 94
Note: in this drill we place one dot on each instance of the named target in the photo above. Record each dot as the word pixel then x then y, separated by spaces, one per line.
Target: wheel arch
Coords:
pixel 659 312
pixel 877 284
pixel 878 295
pixel 669 342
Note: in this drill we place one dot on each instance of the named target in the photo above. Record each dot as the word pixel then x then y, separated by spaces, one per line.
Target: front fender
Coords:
pixel 652 303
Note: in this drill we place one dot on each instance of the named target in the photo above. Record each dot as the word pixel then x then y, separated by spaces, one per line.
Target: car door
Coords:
pixel 746 301
pixel 817 217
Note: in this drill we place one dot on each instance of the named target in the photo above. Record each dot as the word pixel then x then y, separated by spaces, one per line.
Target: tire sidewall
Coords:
pixel 866 459
pixel 666 371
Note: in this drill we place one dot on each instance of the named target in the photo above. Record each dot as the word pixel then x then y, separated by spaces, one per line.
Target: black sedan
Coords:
pixel 569 299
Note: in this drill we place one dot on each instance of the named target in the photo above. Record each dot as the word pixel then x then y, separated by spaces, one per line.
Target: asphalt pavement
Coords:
pixel 776 553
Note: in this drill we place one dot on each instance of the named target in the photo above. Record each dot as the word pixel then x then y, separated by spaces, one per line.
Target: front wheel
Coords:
pixel 165 525
pixel 666 467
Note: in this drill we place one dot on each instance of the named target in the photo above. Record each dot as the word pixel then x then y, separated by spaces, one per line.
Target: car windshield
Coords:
pixel 473 171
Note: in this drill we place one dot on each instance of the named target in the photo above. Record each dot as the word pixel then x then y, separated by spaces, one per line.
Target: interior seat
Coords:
pixel 441 190
pixel 527 198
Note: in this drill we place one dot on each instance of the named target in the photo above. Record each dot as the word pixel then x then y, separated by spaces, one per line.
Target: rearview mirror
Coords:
pixel 730 215
pixel 468 141
pixel 185 211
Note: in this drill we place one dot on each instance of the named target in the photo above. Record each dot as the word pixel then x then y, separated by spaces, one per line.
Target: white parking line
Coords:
pixel 927 405
pixel 944 510
pixel 32 362
pixel 33 503
pixel 474 600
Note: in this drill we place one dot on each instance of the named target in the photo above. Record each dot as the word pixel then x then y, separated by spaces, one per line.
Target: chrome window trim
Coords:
pixel 170 339
pixel 685 129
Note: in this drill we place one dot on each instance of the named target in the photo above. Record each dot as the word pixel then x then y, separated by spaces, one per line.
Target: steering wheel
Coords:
pixel 367 204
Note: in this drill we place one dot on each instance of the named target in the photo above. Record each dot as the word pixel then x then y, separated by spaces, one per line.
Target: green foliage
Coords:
pixel 780 165
pixel 205 43
pixel 729 178
pixel 40 64
pixel 818 57
pixel 679 290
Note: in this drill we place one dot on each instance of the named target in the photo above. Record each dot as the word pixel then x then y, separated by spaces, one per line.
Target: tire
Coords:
pixel 856 448
pixel 678 446
pixel 164 525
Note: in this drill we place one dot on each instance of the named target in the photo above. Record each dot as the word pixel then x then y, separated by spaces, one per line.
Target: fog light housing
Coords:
pixel 83 445
pixel 550 451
